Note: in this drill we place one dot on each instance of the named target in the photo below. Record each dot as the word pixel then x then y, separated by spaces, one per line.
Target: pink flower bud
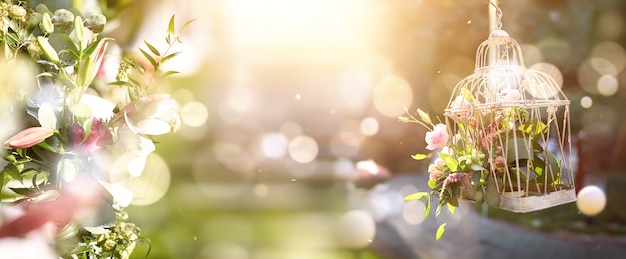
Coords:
pixel 28 137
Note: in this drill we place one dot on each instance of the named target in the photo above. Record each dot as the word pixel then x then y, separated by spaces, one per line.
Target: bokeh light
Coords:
pixel 369 126
pixel 591 200
pixel 354 88
pixel 611 52
pixel 303 149
pixel 391 95
pixel 586 102
pixel 531 54
pixel 152 184
pixel 413 212
pixel 356 229
pixel 274 145
pixel 607 85
pixel 610 24
pixel 551 70
pixel 194 114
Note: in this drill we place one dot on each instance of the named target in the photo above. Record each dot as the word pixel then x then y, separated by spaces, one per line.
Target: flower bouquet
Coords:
pixel 71 139
pixel 505 140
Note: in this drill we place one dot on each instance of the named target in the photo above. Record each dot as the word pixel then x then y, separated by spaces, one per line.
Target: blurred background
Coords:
pixel 281 98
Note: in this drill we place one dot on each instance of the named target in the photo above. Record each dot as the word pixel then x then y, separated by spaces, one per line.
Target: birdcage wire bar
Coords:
pixel 538 172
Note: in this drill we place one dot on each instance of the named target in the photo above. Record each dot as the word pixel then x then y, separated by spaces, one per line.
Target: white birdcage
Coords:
pixel 518 122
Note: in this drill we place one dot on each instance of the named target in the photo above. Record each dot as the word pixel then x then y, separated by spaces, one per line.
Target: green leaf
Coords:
pixel 440 230
pixel 13 171
pixel 492 197
pixel 182 29
pixel 453 201
pixel 451 163
pixel 170 26
pixel 149 57
pixel 419 156
pixel 169 73
pixel 416 196
pixel 467 94
pixel 518 148
pixel 170 56
pixel 47 146
pixel 477 167
pixel 42 8
pixel 152 48
pixel 451 208
pixel 23 191
pixel 420 196
pixel 431 184
pixel 552 167
pixel 87 128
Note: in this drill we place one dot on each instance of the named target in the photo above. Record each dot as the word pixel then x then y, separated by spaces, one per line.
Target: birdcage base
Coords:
pixel 537 202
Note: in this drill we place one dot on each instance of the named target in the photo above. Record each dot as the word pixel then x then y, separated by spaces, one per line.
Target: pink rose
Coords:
pixel 437 138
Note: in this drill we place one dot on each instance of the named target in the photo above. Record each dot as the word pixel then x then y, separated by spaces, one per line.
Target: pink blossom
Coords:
pixel 440 163
pixel 461 178
pixel 28 137
pixel 437 138
pixel 99 136
pixel 434 174
pixel 488 139
pixel 498 163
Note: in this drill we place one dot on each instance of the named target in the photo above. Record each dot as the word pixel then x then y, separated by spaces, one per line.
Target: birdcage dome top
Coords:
pixel 500 79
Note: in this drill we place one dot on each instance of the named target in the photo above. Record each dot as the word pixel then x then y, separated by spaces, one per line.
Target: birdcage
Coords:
pixel 513 125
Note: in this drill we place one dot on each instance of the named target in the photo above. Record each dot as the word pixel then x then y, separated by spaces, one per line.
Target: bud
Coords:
pixel 4 26
pixel 46 25
pixel 63 18
pixel 48 50
pixel 95 22
pixel 89 67
pixel 79 29
pixel 17 12
pixel 28 137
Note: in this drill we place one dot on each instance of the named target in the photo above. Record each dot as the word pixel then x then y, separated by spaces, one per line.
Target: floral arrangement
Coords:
pixel 485 152
pixel 71 139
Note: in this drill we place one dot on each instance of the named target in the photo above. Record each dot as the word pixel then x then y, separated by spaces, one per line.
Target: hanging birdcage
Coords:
pixel 514 125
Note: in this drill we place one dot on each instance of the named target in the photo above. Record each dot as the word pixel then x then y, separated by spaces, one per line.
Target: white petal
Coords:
pixel 120 194
pixel 146 146
pixel 153 127
pixel 46 116
pixel 136 166
pixel 102 108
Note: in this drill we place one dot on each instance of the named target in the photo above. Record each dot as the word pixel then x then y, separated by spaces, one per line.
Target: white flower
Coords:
pixel 155 114
pixel 510 95
pixel 120 194
pixel 46 116
pixel 101 108
pixel 130 153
